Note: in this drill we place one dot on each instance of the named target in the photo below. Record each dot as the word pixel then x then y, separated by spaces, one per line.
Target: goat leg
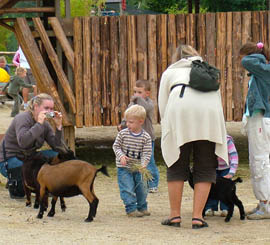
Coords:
pixel 239 204
pixel 28 196
pixel 63 204
pixel 52 211
pixel 230 211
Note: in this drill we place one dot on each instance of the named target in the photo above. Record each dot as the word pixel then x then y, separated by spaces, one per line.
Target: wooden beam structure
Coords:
pixel 61 37
pixel 56 64
pixel 38 67
pixel 28 10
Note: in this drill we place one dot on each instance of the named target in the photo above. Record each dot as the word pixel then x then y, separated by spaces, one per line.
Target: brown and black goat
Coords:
pixel 30 169
pixel 69 179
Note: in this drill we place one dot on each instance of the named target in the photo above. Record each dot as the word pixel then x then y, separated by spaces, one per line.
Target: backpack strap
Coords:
pixel 182 90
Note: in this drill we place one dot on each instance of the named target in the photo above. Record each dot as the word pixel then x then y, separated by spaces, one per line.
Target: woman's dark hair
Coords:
pixel 254 48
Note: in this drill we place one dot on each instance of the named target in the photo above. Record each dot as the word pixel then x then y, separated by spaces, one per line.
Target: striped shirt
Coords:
pixel 135 146
pixel 233 158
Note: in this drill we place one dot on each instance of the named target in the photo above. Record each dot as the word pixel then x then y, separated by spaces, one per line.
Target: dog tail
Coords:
pixel 238 180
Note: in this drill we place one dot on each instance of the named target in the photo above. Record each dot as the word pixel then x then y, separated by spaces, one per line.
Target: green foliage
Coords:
pixel 81 7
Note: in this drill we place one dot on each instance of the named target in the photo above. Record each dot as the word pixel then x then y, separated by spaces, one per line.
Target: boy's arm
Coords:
pixel 147 151
pixel 117 146
pixel 233 157
pixel 25 85
pixel 144 103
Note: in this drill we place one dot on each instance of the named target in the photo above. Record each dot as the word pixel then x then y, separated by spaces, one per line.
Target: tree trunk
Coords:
pixel 197 6
pixel 190 6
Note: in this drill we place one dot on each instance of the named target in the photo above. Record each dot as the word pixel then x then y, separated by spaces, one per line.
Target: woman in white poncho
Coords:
pixel 191 123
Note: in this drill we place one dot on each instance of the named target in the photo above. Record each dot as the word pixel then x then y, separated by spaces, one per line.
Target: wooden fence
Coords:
pixel 111 53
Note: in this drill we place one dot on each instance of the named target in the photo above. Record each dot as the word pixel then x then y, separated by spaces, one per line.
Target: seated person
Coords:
pixel 28 132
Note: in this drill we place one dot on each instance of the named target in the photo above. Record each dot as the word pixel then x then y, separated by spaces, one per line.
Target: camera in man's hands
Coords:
pixel 50 114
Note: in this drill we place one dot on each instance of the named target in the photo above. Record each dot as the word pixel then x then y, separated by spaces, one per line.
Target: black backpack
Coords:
pixel 203 77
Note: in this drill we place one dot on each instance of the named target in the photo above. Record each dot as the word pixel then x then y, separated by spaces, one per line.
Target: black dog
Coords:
pixel 225 191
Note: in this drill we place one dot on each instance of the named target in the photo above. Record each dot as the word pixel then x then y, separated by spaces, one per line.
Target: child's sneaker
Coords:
pixel 135 214
pixel 209 212
pixel 224 213
pixel 145 212
pixel 153 190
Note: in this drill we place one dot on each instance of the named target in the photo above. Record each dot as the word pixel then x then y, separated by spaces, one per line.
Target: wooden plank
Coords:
pixel 162 45
pixel 38 67
pixel 69 137
pixel 96 81
pixel 246 37
pixel 78 72
pixel 142 46
pixel 87 86
pixel 114 70
pixel 229 85
pixel 255 27
pixel 201 39
pixel 180 29
pixel 28 10
pixel 263 26
pixel 123 64
pixel 210 24
pixel 132 54
pixel 238 83
pixel 171 36
pixel 105 69
pixel 152 61
pixel 55 63
pixel 192 27
pixel 61 37
pixel 221 56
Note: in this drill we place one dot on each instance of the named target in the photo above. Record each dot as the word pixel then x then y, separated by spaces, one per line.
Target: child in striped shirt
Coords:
pixel 133 144
pixel 226 171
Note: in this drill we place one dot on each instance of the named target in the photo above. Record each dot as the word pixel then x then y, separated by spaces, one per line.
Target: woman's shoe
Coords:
pixel 170 223
pixel 199 226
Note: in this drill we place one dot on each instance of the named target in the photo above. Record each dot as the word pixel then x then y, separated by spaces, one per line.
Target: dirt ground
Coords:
pixel 19 225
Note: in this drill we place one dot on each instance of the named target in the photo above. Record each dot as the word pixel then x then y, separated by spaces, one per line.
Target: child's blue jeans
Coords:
pixel 133 192
pixel 152 167
pixel 212 203
pixel 14 162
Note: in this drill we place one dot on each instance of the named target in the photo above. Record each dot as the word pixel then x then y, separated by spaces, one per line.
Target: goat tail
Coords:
pixel 103 170
pixel 239 180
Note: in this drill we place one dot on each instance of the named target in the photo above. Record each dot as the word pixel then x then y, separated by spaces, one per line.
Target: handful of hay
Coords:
pixel 135 166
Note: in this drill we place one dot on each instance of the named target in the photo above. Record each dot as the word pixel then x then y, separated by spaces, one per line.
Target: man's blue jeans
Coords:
pixel 152 167
pixel 14 162
pixel 133 192
pixel 212 203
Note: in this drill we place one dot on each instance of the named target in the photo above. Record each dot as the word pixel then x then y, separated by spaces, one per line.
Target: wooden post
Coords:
pixel 78 73
pixel 56 64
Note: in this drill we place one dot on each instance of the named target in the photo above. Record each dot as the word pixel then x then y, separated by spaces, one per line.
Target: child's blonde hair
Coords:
pixel 20 70
pixel 143 84
pixel 3 60
pixel 37 100
pixel 135 111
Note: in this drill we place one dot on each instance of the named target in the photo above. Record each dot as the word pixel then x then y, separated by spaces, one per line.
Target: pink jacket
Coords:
pixel 16 59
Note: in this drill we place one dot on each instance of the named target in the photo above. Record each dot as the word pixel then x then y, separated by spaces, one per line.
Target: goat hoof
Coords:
pixel 63 209
pixel 36 206
pixel 40 216
pixel 88 220
pixel 242 217
pixel 51 214
pixel 227 219
pixel 28 204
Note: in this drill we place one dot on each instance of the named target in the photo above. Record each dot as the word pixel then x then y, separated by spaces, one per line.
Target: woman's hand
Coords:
pixel 41 117
pixel 58 119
